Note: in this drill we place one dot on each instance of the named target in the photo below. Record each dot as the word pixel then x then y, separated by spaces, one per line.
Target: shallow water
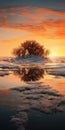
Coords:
pixel 32 96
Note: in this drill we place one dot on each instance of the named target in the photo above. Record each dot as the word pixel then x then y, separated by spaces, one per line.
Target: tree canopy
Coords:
pixel 31 48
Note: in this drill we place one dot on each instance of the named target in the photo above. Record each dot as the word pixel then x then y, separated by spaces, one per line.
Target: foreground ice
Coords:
pixel 3 73
pixel 7 65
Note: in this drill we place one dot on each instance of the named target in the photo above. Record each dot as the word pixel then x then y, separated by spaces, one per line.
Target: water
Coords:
pixel 32 95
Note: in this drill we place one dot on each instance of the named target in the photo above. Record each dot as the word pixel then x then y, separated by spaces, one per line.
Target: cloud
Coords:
pixel 50 11
pixel 62 3
pixel 45 22
pixel 4 23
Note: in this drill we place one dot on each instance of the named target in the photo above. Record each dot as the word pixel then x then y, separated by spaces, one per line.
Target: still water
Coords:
pixel 32 97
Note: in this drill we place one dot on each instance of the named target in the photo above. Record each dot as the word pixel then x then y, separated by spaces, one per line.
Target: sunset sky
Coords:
pixel 40 20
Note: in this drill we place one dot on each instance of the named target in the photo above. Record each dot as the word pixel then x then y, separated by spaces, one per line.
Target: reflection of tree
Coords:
pixel 30 74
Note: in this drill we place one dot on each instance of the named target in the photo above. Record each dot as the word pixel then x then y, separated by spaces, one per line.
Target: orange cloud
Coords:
pixel 4 23
pixel 50 11
pixel 26 10
pixel 13 8
pixel 45 22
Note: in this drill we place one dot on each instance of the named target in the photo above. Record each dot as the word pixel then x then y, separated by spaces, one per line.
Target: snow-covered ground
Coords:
pixel 53 68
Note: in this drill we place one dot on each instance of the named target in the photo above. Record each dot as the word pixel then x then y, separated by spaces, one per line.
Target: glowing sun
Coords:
pixel 52 54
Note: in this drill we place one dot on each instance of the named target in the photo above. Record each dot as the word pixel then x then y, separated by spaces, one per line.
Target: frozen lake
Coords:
pixel 32 94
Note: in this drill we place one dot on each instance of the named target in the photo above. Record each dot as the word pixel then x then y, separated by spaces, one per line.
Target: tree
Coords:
pixel 31 48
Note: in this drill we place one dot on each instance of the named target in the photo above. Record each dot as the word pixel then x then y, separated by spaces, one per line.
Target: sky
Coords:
pixel 40 20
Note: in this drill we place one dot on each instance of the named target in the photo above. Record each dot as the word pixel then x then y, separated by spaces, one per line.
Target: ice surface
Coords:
pixel 33 95
pixel 53 68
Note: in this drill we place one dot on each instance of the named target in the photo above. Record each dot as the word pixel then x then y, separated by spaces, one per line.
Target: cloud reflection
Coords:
pixel 37 97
